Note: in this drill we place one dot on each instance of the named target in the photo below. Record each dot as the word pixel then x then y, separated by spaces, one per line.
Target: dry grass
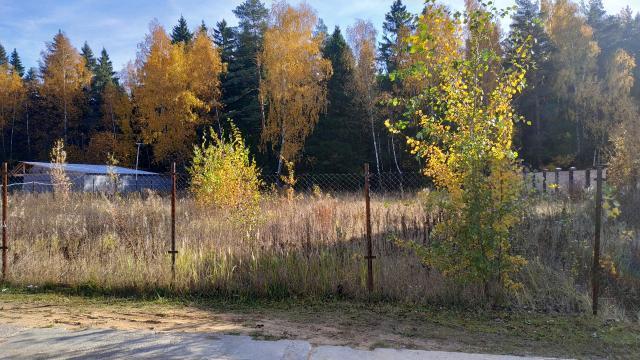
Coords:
pixel 311 247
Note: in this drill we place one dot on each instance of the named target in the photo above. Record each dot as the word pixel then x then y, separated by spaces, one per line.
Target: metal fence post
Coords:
pixel 557 179
pixel 173 251
pixel 5 201
pixel 596 244
pixel 587 178
pixel 571 182
pixel 533 180
pixel 369 256
pixel 544 180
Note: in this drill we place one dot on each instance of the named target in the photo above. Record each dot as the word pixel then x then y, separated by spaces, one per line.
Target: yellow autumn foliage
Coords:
pixel 465 124
pixel 223 175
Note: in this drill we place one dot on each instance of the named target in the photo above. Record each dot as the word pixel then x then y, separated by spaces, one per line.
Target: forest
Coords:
pixel 315 97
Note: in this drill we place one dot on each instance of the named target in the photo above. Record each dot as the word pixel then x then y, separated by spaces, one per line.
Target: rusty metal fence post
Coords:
pixel 369 256
pixel 173 251
pixel 5 245
pixel 595 281
pixel 571 179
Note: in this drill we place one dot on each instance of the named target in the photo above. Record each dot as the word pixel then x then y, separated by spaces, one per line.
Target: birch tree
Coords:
pixel 173 86
pixel 362 38
pixel 12 97
pixel 294 84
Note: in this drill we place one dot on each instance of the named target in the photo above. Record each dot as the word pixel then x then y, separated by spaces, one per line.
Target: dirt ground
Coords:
pixel 364 326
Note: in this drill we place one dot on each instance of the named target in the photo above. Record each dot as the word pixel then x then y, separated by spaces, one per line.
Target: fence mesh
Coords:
pixel 383 183
pixel 161 183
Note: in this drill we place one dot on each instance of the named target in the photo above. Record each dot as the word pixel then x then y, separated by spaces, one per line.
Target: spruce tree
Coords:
pixel 104 73
pixel 534 138
pixel 3 56
pixel 337 143
pixel 89 58
pixel 16 63
pixel 181 32
pixel 203 27
pixel 224 37
pixel 396 20
pixel 240 84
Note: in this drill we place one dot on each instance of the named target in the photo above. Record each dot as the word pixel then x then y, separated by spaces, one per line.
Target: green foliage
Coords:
pixel 89 59
pixel 181 32
pixel 223 175
pixel 16 63
pixel 3 55
pixel 240 83
pixel 337 145
pixel 396 21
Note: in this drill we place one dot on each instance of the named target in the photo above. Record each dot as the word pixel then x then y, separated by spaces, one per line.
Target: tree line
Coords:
pixel 300 93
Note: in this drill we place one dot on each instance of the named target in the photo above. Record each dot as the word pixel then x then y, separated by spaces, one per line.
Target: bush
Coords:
pixel 223 175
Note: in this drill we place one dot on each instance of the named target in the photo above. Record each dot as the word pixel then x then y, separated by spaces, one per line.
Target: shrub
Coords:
pixel 223 175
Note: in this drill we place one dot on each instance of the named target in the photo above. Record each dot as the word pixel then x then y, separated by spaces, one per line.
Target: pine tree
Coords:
pixel 396 21
pixel 16 63
pixel 337 143
pixel 181 32
pixel 89 58
pixel 3 56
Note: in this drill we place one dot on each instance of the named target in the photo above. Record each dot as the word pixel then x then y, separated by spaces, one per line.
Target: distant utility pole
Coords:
pixel 137 158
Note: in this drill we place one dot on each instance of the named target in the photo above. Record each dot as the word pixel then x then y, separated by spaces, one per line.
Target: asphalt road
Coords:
pixel 59 343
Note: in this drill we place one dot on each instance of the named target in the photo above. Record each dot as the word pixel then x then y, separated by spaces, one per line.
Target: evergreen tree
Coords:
pixel 103 73
pixel 595 13
pixel 321 28
pixel 396 21
pixel 181 32
pixel 397 25
pixel 203 27
pixel 16 63
pixel 3 56
pixel 337 143
pixel 240 84
pixel 527 21
pixel 89 58
pixel 224 37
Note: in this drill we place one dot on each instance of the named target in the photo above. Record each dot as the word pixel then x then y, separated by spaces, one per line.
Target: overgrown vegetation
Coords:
pixel 311 247
pixel 223 175
pixel 465 123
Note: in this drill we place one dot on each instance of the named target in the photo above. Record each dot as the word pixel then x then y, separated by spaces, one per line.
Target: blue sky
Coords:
pixel 119 25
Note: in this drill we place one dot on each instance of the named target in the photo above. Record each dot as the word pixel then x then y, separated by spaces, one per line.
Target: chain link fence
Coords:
pixel 556 180
pixel 383 183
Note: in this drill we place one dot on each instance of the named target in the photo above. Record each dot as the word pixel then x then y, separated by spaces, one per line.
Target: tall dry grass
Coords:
pixel 309 247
